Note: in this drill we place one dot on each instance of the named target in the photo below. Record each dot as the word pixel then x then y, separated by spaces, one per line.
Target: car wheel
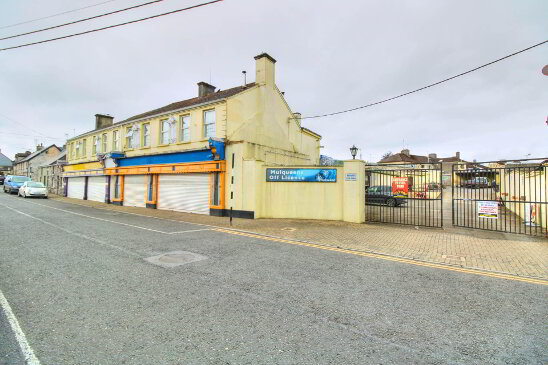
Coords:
pixel 391 202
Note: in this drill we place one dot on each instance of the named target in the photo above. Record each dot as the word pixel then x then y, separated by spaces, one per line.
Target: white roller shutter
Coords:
pixel 96 188
pixel 184 193
pixel 75 188
pixel 134 191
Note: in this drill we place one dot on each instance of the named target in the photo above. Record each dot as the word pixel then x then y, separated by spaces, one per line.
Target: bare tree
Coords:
pixel 387 154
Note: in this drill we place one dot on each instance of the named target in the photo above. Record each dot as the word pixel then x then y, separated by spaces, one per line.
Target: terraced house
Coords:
pixel 197 155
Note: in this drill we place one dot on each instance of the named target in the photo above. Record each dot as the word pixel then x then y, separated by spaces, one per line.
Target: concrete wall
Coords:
pixel 341 200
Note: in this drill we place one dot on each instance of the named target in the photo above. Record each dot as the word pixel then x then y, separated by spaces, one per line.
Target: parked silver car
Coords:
pixel 33 189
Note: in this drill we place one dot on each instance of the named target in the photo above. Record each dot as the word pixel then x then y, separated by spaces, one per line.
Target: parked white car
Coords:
pixel 33 188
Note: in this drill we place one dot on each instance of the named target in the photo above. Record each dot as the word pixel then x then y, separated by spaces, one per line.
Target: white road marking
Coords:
pixel 95 240
pixel 137 214
pixel 101 219
pixel 27 351
pixel 192 230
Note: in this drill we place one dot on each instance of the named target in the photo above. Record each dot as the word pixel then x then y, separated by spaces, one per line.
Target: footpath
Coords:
pixel 506 253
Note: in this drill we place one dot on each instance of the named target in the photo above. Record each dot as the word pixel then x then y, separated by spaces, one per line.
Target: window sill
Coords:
pixel 184 142
pixel 145 147
pixel 205 139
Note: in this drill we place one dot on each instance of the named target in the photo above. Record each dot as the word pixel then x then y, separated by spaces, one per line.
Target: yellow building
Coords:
pixel 191 155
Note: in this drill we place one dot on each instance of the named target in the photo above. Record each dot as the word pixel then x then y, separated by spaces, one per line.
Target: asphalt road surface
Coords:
pixel 78 283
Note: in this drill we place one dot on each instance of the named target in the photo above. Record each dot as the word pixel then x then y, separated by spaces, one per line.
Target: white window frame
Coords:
pixel 116 140
pixel 78 149
pixel 84 147
pixel 94 146
pixel 104 140
pixel 206 124
pixel 183 128
pixel 129 138
pixel 145 131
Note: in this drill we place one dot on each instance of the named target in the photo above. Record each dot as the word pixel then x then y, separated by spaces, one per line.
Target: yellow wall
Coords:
pixel 341 200
pixel 197 139
pixel 525 185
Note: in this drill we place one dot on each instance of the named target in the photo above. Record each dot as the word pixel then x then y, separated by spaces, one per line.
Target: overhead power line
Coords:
pixel 35 136
pixel 81 20
pixel 54 15
pixel 425 87
pixel 112 26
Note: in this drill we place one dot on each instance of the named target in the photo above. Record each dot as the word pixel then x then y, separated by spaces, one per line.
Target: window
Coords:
pixel 116 141
pixel 168 131
pixel 209 123
pixel 184 135
pixel 72 150
pixel 146 135
pixel 94 146
pixel 117 187
pixel 77 149
pixel 216 189
pixel 84 148
pixel 129 138
pixel 104 143
pixel 150 185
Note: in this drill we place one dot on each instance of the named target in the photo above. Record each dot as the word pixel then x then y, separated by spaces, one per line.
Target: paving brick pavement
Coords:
pixel 492 251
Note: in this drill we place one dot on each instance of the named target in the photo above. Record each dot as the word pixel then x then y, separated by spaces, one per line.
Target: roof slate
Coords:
pixel 36 153
pixel 5 161
pixel 190 102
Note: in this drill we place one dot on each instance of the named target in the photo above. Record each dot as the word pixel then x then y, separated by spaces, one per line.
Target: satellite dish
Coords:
pixel 545 70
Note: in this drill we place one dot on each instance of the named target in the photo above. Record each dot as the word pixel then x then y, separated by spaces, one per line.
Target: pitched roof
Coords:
pixel 54 159
pixel 402 157
pixel 190 102
pixel 36 153
pixel 5 161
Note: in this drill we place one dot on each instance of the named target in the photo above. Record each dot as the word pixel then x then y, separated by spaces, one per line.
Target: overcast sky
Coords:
pixel 332 55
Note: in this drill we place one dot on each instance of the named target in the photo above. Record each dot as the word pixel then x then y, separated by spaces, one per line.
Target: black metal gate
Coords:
pixel 509 196
pixel 404 194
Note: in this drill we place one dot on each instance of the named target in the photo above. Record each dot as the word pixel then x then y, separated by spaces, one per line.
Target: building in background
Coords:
pixel 6 165
pixel 29 165
pixel 51 173
pixel 406 158
pixel 191 155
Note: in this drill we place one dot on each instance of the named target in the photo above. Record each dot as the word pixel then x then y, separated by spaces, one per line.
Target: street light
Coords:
pixel 353 151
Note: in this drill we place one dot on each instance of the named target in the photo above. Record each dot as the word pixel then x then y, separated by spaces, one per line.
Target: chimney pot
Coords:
pixel 205 89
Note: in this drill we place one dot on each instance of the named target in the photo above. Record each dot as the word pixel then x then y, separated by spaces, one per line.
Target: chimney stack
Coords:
pixel 432 156
pixel 265 71
pixel 103 120
pixel 457 155
pixel 405 152
pixel 205 89
pixel 39 147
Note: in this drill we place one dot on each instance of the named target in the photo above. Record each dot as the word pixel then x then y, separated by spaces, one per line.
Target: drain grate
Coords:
pixel 175 258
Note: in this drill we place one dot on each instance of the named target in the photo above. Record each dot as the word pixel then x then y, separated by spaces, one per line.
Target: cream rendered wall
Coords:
pixel 197 140
pixel 342 200
pixel 300 200
pixel 260 116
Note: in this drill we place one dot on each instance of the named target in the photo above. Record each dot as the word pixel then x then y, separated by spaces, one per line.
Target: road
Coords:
pixel 78 283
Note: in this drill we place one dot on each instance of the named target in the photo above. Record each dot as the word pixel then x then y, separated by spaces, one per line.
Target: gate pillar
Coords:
pixel 354 191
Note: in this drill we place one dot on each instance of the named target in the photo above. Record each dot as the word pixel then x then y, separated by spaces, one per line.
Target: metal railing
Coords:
pixel 504 196
pixel 404 194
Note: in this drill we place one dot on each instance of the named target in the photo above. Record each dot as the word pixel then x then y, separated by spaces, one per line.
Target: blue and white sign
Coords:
pixel 302 175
